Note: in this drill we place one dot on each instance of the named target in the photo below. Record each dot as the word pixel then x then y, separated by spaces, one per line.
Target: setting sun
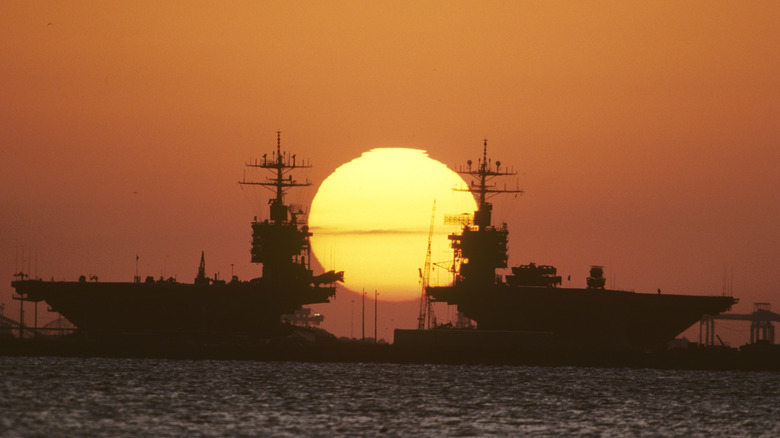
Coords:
pixel 371 218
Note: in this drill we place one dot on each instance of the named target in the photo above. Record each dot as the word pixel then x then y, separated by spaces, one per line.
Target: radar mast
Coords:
pixel 483 189
pixel 280 165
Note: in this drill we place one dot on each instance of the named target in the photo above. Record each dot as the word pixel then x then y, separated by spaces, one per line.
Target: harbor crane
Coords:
pixel 427 316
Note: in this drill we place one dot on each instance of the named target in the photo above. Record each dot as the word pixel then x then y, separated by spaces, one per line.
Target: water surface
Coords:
pixel 142 397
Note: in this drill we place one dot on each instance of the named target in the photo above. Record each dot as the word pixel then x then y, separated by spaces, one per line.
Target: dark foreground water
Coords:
pixel 137 397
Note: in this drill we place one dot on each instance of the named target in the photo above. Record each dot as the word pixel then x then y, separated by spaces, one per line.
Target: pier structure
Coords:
pixel 761 328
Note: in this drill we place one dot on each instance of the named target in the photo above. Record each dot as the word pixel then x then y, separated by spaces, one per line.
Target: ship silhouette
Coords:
pixel 208 305
pixel 531 299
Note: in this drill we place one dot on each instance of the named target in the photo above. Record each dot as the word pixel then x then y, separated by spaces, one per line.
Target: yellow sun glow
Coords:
pixel 371 218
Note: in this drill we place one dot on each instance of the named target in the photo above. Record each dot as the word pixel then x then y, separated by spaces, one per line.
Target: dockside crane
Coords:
pixel 426 307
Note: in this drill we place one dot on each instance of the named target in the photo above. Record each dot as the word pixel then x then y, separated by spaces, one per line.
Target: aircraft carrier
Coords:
pixel 208 305
pixel 530 298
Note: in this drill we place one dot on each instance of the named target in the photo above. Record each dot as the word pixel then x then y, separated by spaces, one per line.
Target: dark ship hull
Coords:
pixel 104 308
pixel 583 317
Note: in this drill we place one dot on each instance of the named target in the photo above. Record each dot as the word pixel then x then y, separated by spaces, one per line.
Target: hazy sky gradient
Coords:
pixel 646 135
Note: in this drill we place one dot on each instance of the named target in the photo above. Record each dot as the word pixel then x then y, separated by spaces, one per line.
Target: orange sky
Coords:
pixel 646 136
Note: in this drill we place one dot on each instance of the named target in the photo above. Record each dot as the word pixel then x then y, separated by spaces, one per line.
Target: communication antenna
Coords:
pixel 376 307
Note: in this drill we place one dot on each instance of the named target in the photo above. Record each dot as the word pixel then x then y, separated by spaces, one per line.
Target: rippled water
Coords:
pixel 132 397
